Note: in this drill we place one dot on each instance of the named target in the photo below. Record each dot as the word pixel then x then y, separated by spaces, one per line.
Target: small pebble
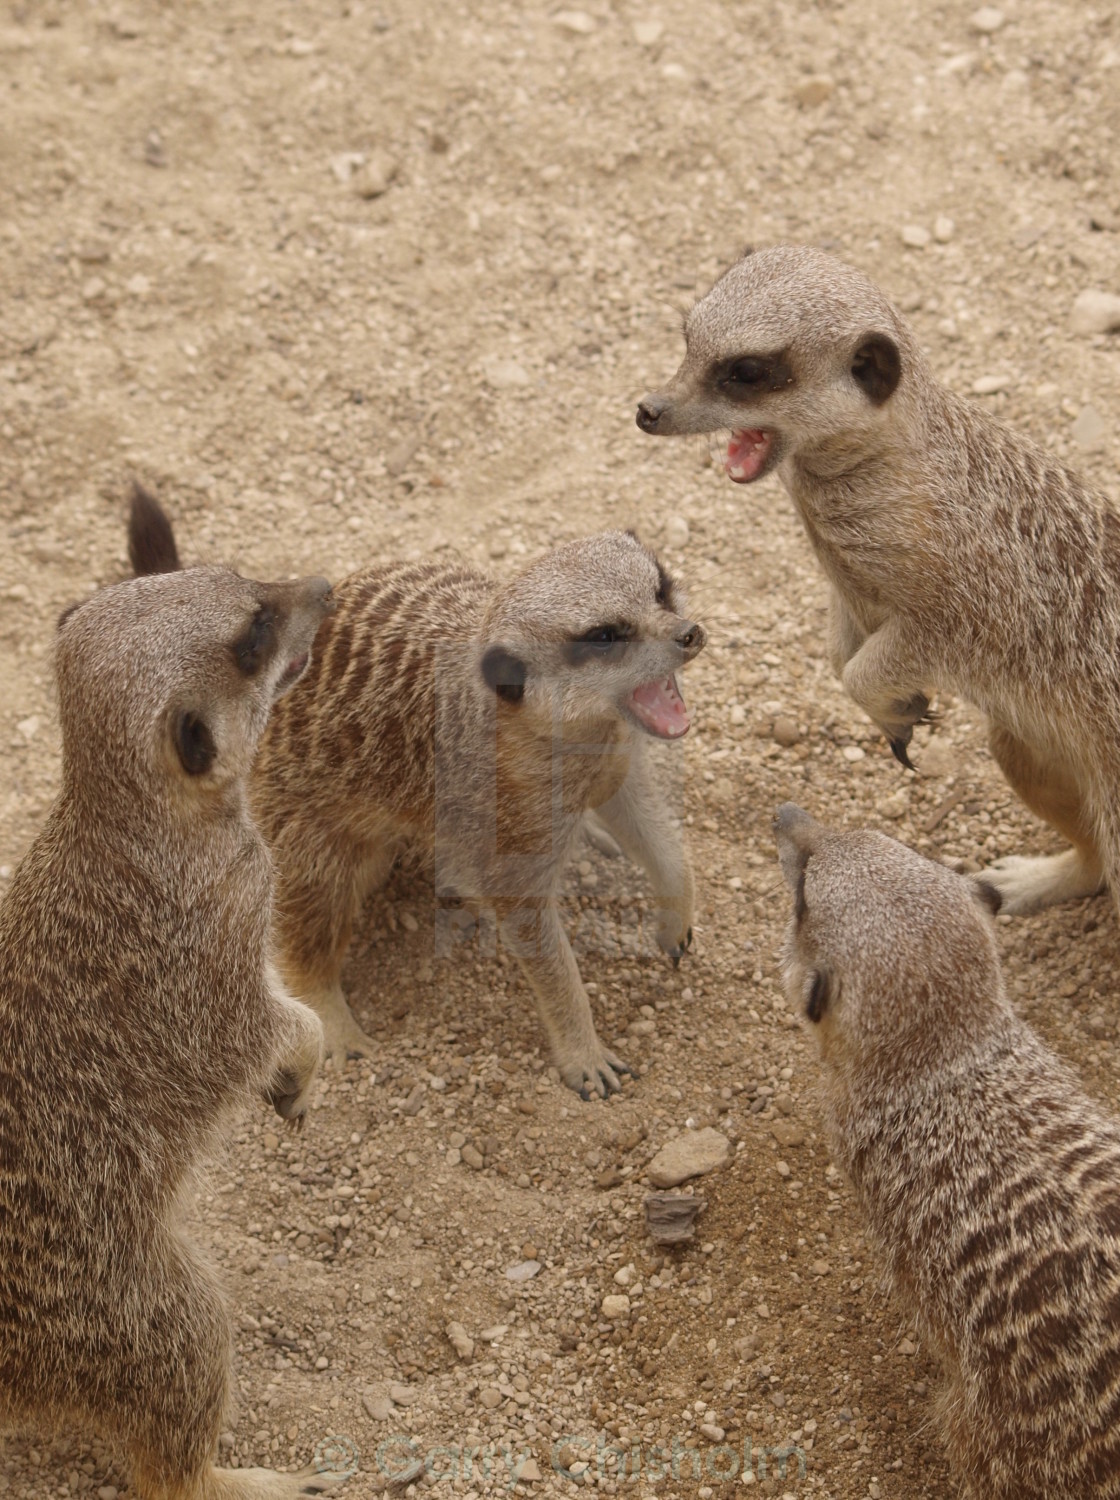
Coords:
pixel 915 236
pixel 814 90
pixel 852 753
pixel 676 532
pixel 577 21
pixel 616 1307
pixel 986 20
pixel 524 1270
pixel 1090 430
pixel 473 1158
pixel 491 1398
pixel 943 228
pixel 988 385
pixel 1095 312
pixel 713 1433
pixel 648 33
pixel 403 1395
pixel 906 1347
pixel 786 732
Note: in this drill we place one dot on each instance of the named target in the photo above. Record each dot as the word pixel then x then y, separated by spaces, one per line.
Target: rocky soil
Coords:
pixel 352 279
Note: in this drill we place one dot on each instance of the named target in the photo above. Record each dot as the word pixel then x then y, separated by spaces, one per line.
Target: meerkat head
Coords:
pixel 890 957
pixel 166 681
pixel 795 352
pixel 593 631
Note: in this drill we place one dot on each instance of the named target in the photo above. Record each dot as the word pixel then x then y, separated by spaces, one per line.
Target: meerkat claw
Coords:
pixel 898 750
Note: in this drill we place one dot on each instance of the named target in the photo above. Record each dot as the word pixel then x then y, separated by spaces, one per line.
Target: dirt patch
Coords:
pixel 351 281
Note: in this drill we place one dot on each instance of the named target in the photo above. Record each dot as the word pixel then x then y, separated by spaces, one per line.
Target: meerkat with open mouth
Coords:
pixel 475 723
pixel 963 557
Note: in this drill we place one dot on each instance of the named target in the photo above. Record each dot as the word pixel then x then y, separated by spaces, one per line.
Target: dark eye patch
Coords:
pixel 820 992
pixel 600 643
pixel 665 587
pixel 252 649
pixel 754 374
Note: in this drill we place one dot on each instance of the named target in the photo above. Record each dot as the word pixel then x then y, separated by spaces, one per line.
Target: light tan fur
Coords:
pixel 963 558
pixel 476 724
pixel 138 1013
pixel 989 1180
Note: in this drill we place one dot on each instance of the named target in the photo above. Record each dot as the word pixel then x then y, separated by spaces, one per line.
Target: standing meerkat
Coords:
pixel 475 723
pixel 963 558
pixel 990 1182
pixel 138 1012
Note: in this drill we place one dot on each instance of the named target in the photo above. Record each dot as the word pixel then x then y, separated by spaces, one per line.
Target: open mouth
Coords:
pixel 292 672
pixel 660 709
pixel 747 452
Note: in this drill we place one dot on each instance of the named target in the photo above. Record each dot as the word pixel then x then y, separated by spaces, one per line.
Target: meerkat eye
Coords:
pixel 820 992
pixel 600 641
pixel 253 648
pixel 748 372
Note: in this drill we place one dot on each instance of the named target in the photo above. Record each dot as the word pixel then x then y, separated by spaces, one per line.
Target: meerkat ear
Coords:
pixel 987 895
pixel 67 612
pixel 194 742
pixel 877 367
pixel 505 673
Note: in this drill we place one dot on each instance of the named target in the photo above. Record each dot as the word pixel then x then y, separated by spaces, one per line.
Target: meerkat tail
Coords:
pixel 151 540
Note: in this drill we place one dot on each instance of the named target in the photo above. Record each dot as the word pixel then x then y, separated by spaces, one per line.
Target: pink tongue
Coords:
pixel 661 709
pixel 746 454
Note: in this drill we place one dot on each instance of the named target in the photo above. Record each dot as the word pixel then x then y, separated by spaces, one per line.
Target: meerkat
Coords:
pixel 963 558
pixel 138 1012
pixel 990 1181
pixel 475 723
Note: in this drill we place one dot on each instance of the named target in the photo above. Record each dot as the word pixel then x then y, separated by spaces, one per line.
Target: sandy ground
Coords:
pixel 344 281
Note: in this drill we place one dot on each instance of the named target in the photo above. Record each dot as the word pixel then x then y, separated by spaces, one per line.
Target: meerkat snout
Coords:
pixel 787 376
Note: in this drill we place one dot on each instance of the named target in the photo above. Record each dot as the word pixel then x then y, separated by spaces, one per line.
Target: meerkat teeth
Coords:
pixel 659 707
pixel 747 451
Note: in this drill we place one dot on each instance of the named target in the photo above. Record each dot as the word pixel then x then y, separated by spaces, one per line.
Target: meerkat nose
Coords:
pixel 650 411
pixel 691 638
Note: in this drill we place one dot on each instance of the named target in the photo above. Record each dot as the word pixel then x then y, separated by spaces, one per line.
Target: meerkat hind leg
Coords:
pixel 1028 883
pixel 316 911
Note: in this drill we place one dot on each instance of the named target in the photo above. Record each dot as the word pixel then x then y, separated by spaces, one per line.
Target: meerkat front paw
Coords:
pixel 899 722
pixel 598 1075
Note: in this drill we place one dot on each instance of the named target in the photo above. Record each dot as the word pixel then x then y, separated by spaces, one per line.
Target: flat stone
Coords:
pixel 915 236
pixel 527 1471
pixel 616 1307
pixel 404 1395
pixel 670 1217
pixel 524 1270
pixel 378 1408
pixel 788 1133
pixel 473 1158
pixel 1095 312
pixel 491 1398
pixel 690 1155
